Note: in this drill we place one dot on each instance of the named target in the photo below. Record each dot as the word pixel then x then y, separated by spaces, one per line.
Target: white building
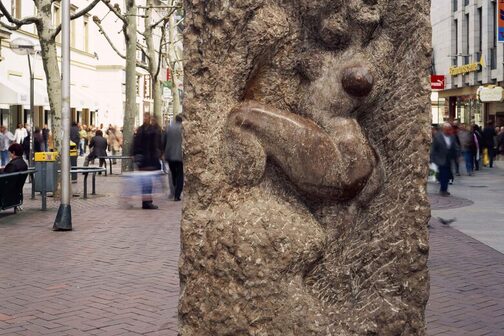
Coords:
pixel 97 72
pixel 466 52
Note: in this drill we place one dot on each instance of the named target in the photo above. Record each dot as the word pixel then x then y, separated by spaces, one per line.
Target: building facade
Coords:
pixel 97 72
pixel 467 54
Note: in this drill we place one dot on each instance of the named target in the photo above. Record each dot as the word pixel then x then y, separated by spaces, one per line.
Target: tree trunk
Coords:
pixel 52 72
pixel 131 94
pixel 153 59
pixel 172 57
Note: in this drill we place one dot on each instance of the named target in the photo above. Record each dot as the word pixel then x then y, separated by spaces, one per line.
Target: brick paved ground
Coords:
pixel 116 273
pixel 467 292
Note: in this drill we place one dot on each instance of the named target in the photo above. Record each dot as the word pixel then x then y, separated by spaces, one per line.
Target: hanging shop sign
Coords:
pixel 500 21
pixel 437 82
pixel 488 94
pixel 471 67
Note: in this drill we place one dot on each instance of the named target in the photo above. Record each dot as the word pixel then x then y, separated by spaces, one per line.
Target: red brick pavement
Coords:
pixel 467 285
pixel 116 273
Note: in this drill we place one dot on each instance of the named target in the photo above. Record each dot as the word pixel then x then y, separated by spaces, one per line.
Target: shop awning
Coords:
pixel 22 88
pixel 11 93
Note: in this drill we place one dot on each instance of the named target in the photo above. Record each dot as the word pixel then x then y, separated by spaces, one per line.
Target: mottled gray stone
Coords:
pixel 306 142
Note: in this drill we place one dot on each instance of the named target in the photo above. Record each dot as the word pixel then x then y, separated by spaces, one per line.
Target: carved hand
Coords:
pixel 327 165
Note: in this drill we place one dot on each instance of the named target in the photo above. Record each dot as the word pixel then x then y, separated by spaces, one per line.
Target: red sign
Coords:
pixel 437 82
pixel 500 21
pixel 168 74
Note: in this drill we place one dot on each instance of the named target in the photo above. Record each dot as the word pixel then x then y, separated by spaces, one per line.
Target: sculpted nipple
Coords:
pixel 357 81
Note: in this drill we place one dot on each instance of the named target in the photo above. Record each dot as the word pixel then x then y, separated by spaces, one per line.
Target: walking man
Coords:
pixel 443 151
pixel 173 155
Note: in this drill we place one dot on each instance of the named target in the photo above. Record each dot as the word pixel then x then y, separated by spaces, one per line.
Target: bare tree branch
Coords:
pixel 77 15
pixel 116 10
pixel 160 55
pixel 16 22
pixel 96 20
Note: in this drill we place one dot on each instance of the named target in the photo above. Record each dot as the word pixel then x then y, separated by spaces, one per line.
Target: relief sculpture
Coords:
pixel 306 148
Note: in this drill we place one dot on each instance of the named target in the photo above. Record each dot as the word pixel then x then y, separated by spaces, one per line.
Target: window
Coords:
pixel 493 58
pixel 455 58
pixel 480 30
pixel 138 86
pixel 17 9
pixel 466 2
pixel 73 10
pixel 86 33
pixel 466 44
pixel 494 23
pixel 455 5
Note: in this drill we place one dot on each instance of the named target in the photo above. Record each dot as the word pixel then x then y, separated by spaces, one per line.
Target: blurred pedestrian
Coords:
pixel 173 155
pixel 38 141
pixel 26 142
pixel 478 146
pixel 20 134
pixel 97 147
pixel 467 147
pixel 147 155
pixel 115 141
pixel 45 137
pixel 6 139
pixel 82 140
pixel 443 151
pixel 489 135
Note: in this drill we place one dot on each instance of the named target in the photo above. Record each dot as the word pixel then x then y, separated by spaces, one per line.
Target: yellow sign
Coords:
pixel 472 67
pixel 46 156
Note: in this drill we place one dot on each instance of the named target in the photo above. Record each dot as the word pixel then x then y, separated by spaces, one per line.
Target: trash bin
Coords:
pixel 73 158
pixel 47 169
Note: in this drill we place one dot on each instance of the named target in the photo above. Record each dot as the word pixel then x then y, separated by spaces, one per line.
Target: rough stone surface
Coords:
pixel 306 145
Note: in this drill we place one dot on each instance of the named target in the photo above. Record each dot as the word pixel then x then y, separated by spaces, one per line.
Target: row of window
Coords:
pixel 464 50
pixel 17 12
pixel 147 86
pixel 455 4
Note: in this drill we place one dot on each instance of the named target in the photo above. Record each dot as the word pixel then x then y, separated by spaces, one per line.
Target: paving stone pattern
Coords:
pixel 116 273
pixel 467 285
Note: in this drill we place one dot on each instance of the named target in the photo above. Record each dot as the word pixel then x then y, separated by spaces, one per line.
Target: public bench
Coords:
pixel 86 171
pixel 113 157
pixel 11 189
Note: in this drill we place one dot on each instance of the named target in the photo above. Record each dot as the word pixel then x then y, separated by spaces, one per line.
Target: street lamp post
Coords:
pixel 63 221
pixel 22 46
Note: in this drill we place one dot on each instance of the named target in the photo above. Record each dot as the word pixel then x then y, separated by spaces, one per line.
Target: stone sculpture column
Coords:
pixel 306 146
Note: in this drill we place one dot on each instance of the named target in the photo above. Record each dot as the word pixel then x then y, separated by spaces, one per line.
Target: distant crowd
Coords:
pixel 152 147
pixel 453 143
